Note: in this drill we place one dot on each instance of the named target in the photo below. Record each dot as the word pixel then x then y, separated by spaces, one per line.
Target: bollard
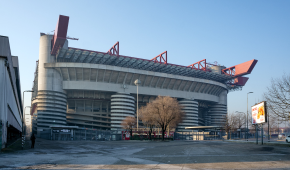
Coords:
pixel 23 141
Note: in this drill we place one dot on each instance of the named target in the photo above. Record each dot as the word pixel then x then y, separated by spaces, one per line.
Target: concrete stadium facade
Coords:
pixel 96 90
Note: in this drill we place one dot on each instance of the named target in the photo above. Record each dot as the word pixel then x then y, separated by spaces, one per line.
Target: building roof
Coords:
pixel 94 57
pixel 204 127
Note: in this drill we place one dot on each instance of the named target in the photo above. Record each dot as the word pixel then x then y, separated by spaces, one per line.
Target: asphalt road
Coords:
pixel 147 155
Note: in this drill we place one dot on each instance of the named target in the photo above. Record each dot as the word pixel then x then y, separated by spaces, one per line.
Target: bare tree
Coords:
pixel 233 121
pixel 278 97
pixel 240 119
pixel 147 119
pixel 129 123
pixel 227 125
pixel 163 112
pixel 272 122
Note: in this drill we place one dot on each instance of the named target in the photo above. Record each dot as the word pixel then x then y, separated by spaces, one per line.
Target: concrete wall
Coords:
pixel 51 98
pixel 48 79
pixel 10 99
pixel 82 85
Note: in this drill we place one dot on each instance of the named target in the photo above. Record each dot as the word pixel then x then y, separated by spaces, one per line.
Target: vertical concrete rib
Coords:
pixel 217 113
pixel 190 107
pixel 122 105
pixel 51 108
pixel 51 98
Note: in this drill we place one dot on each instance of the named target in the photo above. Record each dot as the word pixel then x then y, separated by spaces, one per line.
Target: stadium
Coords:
pixel 96 90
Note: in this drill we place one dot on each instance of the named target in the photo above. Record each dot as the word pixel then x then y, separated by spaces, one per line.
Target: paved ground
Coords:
pixel 147 155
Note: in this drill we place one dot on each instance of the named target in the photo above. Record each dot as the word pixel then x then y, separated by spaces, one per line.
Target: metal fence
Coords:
pixel 107 135
pixel 252 135
pixel 85 134
pixel 198 135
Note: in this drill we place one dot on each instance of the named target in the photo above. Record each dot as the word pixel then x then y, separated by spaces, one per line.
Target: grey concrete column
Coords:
pixel 51 98
pixel 217 113
pixel 190 107
pixel 122 105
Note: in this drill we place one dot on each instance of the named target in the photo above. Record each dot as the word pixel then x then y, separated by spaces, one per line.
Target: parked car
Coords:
pixel 281 136
pixel 288 139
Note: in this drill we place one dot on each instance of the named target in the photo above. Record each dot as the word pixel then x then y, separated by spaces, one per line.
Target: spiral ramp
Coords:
pixel 122 105
pixel 217 114
pixel 190 107
pixel 51 109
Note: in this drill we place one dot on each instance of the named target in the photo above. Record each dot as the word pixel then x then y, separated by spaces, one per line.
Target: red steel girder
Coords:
pixel 201 65
pixel 231 71
pixel 114 50
pixel 161 57
pixel 240 69
pixel 239 81
pixel 60 34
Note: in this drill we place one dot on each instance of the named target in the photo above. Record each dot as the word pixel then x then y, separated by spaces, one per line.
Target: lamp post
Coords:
pixel 23 137
pixel 268 128
pixel 137 82
pixel 248 113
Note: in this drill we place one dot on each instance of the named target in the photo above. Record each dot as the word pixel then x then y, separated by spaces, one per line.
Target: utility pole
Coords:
pixel 268 127
pixel 137 82
pixel 257 134
pixel 262 134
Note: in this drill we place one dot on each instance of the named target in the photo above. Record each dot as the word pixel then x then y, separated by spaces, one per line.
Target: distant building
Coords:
pixel 28 126
pixel 96 90
pixel 10 95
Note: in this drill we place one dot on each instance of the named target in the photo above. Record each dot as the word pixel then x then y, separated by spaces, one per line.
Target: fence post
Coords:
pixel 22 141
pixel 262 134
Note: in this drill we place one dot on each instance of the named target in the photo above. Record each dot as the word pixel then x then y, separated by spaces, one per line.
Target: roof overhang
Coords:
pixel 204 127
pixel 61 127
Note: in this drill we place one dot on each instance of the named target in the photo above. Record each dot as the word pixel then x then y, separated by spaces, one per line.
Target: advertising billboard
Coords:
pixel 259 113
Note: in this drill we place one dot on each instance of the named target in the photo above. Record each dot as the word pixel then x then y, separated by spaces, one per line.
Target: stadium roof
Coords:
pixel 95 57
pixel 232 76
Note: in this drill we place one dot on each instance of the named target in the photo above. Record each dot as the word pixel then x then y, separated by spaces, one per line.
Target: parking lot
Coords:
pixel 147 155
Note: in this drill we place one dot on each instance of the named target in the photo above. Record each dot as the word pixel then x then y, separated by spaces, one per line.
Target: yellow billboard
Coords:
pixel 259 113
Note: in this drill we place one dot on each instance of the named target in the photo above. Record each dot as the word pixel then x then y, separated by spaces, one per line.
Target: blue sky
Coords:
pixel 229 32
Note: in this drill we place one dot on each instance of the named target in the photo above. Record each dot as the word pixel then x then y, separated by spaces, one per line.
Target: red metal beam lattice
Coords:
pixel 240 69
pixel 201 65
pixel 114 50
pixel 231 71
pixel 161 58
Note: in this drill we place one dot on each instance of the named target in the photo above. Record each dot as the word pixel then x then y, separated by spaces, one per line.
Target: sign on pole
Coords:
pixel 259 113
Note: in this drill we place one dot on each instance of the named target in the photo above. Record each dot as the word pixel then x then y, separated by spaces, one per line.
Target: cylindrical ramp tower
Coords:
pixel 122 105
pixel 217 114
pixel 51 98
pixel 51 109
pixel 190 107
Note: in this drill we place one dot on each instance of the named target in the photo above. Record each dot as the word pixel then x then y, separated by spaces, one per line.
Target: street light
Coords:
pixel 137 82
pixel 247 113
pixel 23 137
